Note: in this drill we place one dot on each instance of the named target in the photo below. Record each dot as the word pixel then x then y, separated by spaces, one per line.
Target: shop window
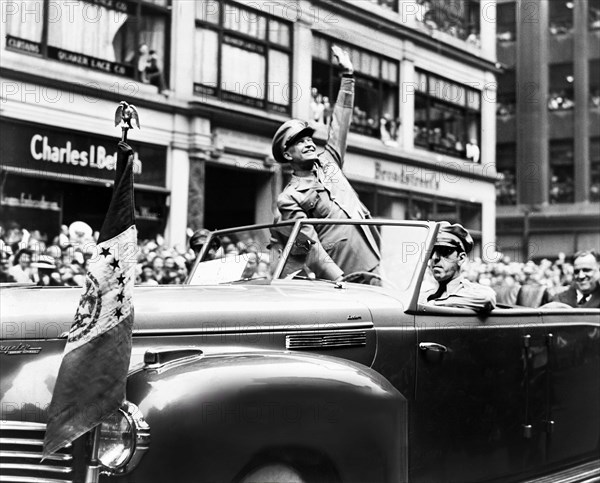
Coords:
pixel 447 117
pixel 376 93
pixel 561 95
pixel 419 209
pixel 470 217
pixel 506 104
pixel 561 172
pixel 506 183
pixel 242 56
pixel 595 169
pixel 560 17
pixel 506 21
pixel 593 14
pixel 446 210
pixel 124 38
pixel 594 73
pixel 459 18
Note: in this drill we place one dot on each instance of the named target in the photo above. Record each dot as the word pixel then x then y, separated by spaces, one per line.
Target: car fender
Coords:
pixel 213 416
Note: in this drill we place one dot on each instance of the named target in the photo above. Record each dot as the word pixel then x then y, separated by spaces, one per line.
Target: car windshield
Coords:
pixel 378 253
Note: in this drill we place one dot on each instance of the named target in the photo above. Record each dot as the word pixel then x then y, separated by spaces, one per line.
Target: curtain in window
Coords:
pixel 27 20
pixel 206 64
pixel 208 11
pixel 279 78
pixel 279 33
pixel 85 28
pixel 153 31
pixel 243 71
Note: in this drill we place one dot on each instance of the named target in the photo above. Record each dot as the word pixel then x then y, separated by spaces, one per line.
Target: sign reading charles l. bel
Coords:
pixel 46 149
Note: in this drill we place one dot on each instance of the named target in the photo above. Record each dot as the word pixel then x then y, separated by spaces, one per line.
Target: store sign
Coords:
pixel 47 149
pixel 400 174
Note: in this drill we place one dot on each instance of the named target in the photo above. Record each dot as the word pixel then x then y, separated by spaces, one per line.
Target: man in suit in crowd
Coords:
pixel 319 189
pixel 584 292
pixel 450 252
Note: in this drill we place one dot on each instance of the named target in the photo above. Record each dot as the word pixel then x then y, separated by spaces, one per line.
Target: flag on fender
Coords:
pixel 93 372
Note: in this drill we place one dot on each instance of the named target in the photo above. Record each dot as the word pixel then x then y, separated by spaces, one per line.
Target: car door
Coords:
pixel 481 386
pixel 574 400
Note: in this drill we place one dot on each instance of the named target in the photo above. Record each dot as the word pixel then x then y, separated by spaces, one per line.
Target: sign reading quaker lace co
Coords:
pixel 50 150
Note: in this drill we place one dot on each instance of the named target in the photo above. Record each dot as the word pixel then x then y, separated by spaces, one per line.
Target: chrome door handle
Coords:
pixel 432 346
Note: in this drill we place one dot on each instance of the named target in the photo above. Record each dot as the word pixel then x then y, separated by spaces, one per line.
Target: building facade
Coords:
pixel 212 82
pixel 548 152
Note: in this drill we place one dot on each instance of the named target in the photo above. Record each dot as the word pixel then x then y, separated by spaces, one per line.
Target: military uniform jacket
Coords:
pixel 463 293
pixel 327 193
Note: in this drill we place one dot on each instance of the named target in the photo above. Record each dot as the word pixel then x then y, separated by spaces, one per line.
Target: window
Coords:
pixel 391 4
pixel 376 93
pixel 243 56
pixel 459 18
pixel 112 37
pixel 507 98
pixel 561 95
pixel 594 74
pixel 595 169
pixel 560 18
pixel 561 172
pixel 506 26
pixel 447 117
pixel 506 184
pixel 593 14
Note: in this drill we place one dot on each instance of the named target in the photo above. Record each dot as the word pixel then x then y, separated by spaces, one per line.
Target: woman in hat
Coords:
pixel 21 270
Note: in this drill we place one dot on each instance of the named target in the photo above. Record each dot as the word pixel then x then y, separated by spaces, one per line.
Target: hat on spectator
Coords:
pixel 44 261
pixel 21 252
pixel 286 135
pixel 79 230
pixel 455 236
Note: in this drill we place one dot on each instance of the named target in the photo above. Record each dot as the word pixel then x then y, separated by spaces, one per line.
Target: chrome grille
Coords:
pixel 326 340
pixel 21 453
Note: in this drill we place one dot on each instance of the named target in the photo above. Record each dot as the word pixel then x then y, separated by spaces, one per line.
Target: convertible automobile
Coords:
pixel 259 370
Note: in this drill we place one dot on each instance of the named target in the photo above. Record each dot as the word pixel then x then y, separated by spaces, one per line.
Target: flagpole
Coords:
pixel 92 473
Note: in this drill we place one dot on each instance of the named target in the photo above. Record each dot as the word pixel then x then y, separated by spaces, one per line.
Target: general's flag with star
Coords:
pixel 92 376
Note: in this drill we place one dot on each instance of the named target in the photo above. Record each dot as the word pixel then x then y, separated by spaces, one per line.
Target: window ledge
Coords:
pixel 79 76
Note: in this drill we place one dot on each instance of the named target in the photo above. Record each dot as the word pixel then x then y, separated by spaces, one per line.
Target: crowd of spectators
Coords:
pixel 27 257
pixel 385 129
pixel 553 275
pixel 558 101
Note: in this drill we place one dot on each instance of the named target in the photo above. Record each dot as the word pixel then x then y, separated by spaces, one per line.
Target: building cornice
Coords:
pixel 380 23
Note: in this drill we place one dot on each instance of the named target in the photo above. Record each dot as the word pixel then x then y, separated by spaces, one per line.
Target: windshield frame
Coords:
pixel 294 227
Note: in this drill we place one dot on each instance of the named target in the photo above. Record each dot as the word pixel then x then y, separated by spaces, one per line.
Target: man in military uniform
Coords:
pixel 450 252
pixel 319 188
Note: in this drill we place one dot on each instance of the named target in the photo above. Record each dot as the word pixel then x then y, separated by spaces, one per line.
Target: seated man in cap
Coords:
pixel 319 188
pixel 449 253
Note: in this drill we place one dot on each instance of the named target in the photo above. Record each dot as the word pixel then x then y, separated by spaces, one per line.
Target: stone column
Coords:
pixel 488 123
pixel 175 232
pixel 183 48
pixel 532 111
pixel 408 88
pixel 487 31
pixel 582 94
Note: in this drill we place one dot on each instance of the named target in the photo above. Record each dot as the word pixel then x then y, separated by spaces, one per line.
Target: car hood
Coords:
pixel 44 313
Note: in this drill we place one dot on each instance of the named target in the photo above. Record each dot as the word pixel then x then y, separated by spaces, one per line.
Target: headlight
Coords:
pixel 122 439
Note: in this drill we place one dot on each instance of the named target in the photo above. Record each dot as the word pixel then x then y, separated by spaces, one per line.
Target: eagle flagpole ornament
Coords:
pixel 91 380
pixel 124 115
